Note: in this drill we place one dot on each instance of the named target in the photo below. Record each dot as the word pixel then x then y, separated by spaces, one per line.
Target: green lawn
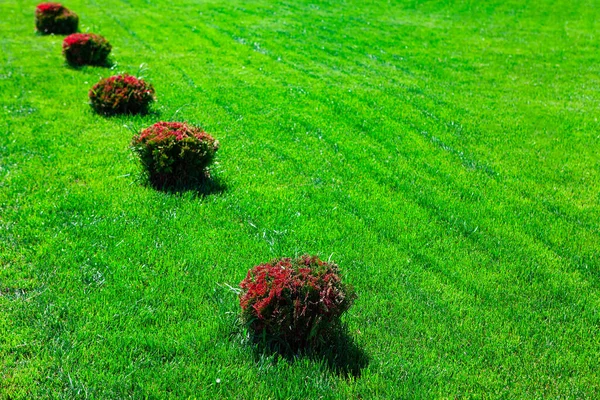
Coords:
pixel 445 153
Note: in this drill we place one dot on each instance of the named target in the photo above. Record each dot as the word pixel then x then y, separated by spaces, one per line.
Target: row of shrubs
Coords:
pixel 78 48
pixel 171 153
pixel 287 303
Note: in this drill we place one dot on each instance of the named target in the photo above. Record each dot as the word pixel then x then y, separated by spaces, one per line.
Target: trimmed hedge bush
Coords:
pixel 294 303
pixel 55 18
pixel 175 153
pixel 121 94
pixel 86 48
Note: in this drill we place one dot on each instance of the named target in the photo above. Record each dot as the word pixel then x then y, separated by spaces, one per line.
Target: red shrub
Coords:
pixel 121 94
pixel 175 153
pixel 86 48
pixel 54 18
pixel 294 302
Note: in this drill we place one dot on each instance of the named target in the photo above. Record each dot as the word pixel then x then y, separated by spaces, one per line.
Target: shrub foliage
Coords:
pixel 175 153
pixel 55 18
pixel 121 94
pixel 86 48
pixel 294 303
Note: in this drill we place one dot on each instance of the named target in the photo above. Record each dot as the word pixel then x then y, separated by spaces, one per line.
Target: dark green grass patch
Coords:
pixel 444 153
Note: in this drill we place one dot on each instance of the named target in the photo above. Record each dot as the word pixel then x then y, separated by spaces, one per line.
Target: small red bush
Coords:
pixel 55 18
pixel 121 94
pixel 86 48
pixel 175 153
pixel 294 302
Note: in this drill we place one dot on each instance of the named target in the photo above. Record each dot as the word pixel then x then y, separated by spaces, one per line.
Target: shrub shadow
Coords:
pixel 206 187
pixel 340 354
pixel 108 63
pixel 152 113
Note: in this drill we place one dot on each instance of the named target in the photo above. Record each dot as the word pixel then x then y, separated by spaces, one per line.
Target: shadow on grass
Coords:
pixel 126 116
pixel 108 63
pixel 340 354
pixel 205 187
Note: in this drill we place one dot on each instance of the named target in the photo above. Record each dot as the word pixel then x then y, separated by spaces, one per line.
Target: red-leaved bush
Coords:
pixel 121 94
pixel 296 303
pixel 175 153
pixel 55 18
pixel 86 48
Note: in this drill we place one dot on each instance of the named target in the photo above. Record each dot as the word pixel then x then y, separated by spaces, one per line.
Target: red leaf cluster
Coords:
pixel 77 39
pixel 294 300
pixel 161 131
pixel 121 94
pixel 49 8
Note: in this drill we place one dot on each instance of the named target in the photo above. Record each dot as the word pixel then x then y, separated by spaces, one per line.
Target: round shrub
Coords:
pixel 86 48
pixel 55 18
pixel 175 153
pixel 294 303
pixel 121 94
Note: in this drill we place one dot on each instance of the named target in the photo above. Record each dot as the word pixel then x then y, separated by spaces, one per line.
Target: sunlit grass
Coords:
pixel 444 153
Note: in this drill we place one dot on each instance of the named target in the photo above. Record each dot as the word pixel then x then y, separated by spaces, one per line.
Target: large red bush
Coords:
pixel 121 94
pixel 86 48
pixel 294 302
pixel 55 18
pixel 174 153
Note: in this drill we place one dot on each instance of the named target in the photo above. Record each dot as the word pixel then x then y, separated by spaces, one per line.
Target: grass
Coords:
pixel 444 153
